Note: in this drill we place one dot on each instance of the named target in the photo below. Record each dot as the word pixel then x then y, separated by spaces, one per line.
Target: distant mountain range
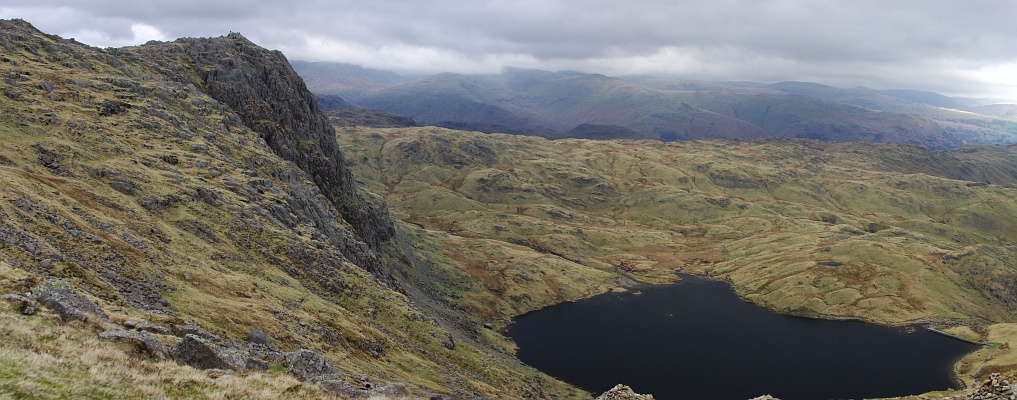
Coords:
pixel 572 104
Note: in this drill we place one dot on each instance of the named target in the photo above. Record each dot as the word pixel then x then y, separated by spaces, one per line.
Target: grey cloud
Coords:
pixel 830 41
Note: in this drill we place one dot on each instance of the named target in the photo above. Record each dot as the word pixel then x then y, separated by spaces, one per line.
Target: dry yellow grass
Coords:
pixel 788 227
pixel 245 256
pixel 42 358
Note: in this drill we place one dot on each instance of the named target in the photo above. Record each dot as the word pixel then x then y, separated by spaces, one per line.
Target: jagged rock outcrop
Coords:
pixel 272 100
pixel 164 203
pixel 341 387
pixel 623 392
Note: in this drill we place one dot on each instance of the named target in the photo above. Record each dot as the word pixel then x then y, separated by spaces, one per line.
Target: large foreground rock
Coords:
pixel 27 303
pixel 57 295
pixel 202 353
pixel 310 366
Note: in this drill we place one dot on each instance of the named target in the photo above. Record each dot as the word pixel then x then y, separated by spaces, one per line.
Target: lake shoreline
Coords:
pixel 633 287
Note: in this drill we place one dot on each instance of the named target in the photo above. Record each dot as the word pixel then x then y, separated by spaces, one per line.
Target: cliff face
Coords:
pixel 262 88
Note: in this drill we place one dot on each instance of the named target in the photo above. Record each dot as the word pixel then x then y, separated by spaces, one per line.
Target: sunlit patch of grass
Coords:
pixel 997 356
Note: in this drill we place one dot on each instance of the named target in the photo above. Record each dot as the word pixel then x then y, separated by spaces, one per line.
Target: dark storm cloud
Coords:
pixel 948 46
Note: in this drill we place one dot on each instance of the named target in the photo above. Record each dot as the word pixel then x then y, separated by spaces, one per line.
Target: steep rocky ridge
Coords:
pixel 273 101
pixel 195 181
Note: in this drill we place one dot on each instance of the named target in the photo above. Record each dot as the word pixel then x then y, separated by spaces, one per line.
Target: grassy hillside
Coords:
pixel 882 233
pixel 123 175
pixel 803 227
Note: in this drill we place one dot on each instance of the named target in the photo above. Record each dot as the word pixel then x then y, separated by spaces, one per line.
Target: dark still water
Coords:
pixel 697 340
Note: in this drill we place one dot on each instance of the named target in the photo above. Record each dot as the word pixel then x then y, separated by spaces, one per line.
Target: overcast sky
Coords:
pixel 964 47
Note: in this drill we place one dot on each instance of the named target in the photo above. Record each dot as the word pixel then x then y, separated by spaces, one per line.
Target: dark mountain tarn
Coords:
pixel 679 341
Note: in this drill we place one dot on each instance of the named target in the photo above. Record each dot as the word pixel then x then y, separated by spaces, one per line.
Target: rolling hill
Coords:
pixel 350 82
pixel 543 103
pixel 956 117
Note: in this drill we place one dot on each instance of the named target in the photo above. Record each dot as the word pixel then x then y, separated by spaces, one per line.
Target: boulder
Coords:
pixel 201 353
pixel 28 304
pixel 258 336
pixel 190 329
pixel 392 390
pixel 310 366
pixel 143 340
pixel 341 387
pixel 108 108
pixel 57 295
pixel 147 327
pixel 256 364
pixel 622 392
pixel 48 158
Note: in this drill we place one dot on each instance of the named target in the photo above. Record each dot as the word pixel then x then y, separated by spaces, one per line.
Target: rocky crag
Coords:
pixel 271 100
pixel 196 183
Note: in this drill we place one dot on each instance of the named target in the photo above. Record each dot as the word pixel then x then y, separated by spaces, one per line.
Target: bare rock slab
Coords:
pixel 147 327
pixel 202 353
pixel 143 340
pixel 57 295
